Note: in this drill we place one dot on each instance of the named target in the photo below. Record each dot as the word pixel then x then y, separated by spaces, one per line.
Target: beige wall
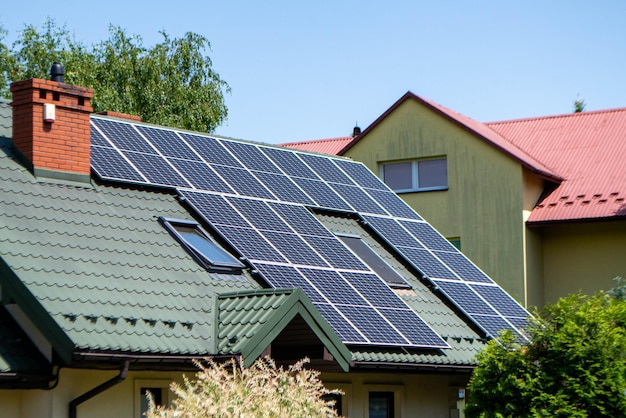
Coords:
pixel 484 202
pixel 421 395
pixel 582 257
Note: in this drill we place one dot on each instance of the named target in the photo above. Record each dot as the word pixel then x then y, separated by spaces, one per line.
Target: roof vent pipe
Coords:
pixel 57 72
pixel 356 131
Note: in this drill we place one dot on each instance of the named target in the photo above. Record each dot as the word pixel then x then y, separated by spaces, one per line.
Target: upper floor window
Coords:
pixel 418 175
pixel 201 246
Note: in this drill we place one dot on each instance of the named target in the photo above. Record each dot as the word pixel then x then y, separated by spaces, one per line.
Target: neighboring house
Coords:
pixel 537 203
pixel 128 250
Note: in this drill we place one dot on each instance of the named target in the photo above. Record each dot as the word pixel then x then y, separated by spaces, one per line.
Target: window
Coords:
pixel 159 389
pixel 373 260
pixel 381 405
pixel 200 245
pixel 419 175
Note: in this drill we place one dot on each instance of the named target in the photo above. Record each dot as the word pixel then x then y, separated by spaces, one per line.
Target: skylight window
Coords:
pixel 373 260
pixel 201 246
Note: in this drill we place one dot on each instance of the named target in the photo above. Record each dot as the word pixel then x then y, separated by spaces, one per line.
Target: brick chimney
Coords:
pixel 51 128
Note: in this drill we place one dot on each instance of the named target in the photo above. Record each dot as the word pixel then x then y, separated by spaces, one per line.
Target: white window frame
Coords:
pixel 414 175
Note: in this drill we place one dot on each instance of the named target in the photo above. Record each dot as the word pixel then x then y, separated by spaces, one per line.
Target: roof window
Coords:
pixel 201 246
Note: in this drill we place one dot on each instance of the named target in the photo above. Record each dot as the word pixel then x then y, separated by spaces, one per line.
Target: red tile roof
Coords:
pixel 330 146
pixel 582 154
pixel 588 150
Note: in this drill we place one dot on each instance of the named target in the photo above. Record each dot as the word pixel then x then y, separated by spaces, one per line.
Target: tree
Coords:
pixel 172 83
pixel 261 390
pixel 573 366
pixel 579 105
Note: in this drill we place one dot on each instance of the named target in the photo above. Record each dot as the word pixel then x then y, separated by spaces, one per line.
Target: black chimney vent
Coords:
pixel 57 72
pixel 356 131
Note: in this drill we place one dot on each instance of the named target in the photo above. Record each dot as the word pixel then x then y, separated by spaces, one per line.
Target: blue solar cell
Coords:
pixel 168 143
pixel 393 204
pixel 211 150
pixel 301 220
pixel 346 331
pixel 464 268
pixel 250 244
pixel 294 248
pixel 333 287
pixel 325 168
pixel 288 277
pixel 361 175
pixel 374 290
pixel 336 253
pixel 283 188
pixel 259 214
pixel 98 139
pixel 465 298
pixel 243 182
pixel 201 175
pixel 413 328
pixel 358 199
pixel 109 163
pixel 493 324
pixel 289 162
pixel 428 236
pixel 250 156
pixel 323 195
pixel 427 263
pixel 499 299
pixel 392 231
pixel 123 136
pixel 372 324
pixel 157 170
pixel 215 209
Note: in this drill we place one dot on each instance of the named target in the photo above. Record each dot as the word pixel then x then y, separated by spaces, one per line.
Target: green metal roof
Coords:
pixel 93 265
pixel 250 321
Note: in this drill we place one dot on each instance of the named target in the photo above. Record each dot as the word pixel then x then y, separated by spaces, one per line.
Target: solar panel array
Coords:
pixel 256 198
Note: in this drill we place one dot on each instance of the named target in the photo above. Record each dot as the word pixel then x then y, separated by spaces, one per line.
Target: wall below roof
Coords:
pixel 582 257
pixel 431 395
pixel 484 202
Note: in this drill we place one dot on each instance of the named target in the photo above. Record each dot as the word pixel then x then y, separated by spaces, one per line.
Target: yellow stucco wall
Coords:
pixel 484 202
pixel 582 257
pixel 415 394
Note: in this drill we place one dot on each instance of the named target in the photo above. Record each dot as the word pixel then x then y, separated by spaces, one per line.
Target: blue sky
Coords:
pixel 309 70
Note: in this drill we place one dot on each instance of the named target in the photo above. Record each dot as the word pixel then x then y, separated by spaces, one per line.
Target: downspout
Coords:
pixel 98 389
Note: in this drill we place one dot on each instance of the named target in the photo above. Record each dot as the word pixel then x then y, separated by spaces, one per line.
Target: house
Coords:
pixel 129 250
pixel 537 203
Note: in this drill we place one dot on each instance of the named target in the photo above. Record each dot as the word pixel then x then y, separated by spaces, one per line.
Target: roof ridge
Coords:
pixel 562 115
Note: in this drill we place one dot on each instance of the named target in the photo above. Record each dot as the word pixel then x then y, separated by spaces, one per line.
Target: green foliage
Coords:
pixel 574 365
pixel 172 83
pixel 262 390
pixel 579 105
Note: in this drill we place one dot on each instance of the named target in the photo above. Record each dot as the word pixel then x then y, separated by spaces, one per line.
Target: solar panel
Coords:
pixel 211 150
pixel 200 175
pixel 251 156
pixel 283 188
pixel 294 248
pixel 289 163
pixel 361 175
pixel 243 182
pixel 358 199
pixel 325 168
pixel 256 198
pixel 157 170
pixel 108 162
pixel 323 195
pixel 168 143
pixel 123 136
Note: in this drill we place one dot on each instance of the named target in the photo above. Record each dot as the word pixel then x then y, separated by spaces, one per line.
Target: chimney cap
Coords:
pixel 57 72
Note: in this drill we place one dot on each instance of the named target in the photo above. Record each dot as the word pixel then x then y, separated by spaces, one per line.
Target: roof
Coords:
pixel 5 119
pixel 92 267
pixel 588 150
pixel 331 146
